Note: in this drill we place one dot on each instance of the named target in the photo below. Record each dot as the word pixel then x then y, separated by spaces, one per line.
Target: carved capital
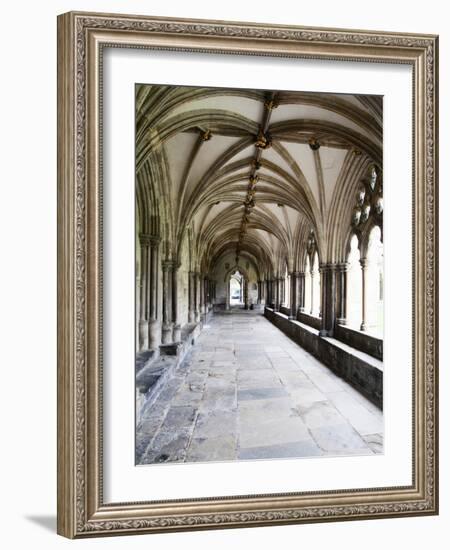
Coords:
pixel 154 241
pixel 144 239
pixel 343 267
pixel 364 263
pixel 168 265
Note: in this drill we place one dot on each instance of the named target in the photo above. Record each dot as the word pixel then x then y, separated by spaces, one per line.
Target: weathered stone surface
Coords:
pixel 167 447
pixel 298 449
pixel 320 413
pixel 375 442
pixel 261 393
pixel 275 431
pixel 212 448
pixel 339 437
pixel 258 405
pixel 216 423
pixel 179 418
pixel 362 419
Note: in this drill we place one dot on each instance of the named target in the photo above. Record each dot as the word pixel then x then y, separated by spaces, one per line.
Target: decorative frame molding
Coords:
pixel 81 37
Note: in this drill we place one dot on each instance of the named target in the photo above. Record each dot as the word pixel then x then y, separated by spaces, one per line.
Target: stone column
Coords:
pixel 365 287
pixel 313 305
pixel 341 284
pixel 227 297
pixel 191 313
pixel 276 295
pixel 167 302
pixel 294 294
pixel 201 288
pixel 328 289
pixel 245 285
pixel 154 336
pixel 301 291
pixel 206 294
pixel 143 323
pixel 259 283
pixel 176 334
pixel 197 297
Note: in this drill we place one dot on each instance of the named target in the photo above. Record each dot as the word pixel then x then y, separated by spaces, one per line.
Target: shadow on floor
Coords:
pixel 46 522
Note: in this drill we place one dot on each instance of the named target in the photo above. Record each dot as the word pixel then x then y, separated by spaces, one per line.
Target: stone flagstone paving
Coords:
pixel 247 391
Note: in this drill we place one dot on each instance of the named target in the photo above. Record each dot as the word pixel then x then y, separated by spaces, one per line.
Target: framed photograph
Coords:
pixel 247 274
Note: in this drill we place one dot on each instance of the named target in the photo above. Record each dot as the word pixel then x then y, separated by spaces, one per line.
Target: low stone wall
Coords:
pixel 359 340
pixel 310 320
pixel 359 369
pixel 151 378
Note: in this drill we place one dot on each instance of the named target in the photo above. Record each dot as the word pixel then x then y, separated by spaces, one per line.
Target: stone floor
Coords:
pixel 248 392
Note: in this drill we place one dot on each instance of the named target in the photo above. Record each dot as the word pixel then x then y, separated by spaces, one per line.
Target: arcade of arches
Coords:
pixel 258 207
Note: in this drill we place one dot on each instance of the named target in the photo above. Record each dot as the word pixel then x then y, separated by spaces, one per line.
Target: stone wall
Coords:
pixel 360 340
pixel 359 369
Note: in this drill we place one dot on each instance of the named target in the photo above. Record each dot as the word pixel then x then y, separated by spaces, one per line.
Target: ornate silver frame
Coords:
pixel 81 510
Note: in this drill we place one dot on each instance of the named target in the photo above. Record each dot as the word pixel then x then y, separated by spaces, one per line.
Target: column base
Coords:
pixel 176 333
pixel 143 335
pixel 154 334
pixel 197 316
pixel 191 317
pixel 166 333
pixel 341 321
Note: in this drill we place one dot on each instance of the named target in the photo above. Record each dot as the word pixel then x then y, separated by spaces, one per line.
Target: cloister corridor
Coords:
pixel 247 391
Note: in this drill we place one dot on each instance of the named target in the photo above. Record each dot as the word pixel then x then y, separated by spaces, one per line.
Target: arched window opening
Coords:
pixel 354 286
pixel 307 286
pixel 236 289
pixel 375 272
pixel 315 286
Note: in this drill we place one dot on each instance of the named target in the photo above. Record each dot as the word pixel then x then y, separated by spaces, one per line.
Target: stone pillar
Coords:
pixel 294 294
pixel 154 335
pixel 176 334
pixel 341 284
pixel 201 288
pixel 143 323
pixel 197 297
pixel 365 287
pixel 245 285
pixel 301 292
pixel 191 313
pixel 258 301
pixel 167 302
pixel 328 291
pixel 206 294
pixel 313 305
pixel 227 299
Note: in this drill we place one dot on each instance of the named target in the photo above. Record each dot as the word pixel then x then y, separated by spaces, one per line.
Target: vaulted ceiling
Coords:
pixel 251 171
